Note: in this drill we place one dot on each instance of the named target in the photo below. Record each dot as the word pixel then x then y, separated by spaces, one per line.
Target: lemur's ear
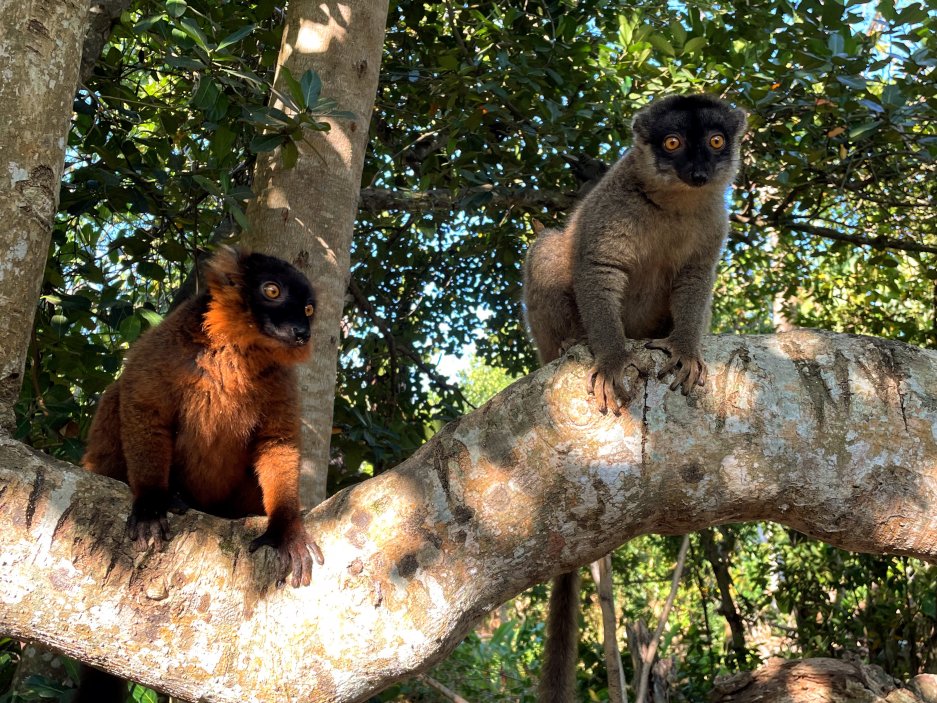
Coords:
pixel 224 267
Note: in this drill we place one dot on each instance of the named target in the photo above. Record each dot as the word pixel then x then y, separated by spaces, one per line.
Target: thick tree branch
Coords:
pixel 103 14
pixel 309 220
pixel 833 435
pixel 836 235
pixel 444 200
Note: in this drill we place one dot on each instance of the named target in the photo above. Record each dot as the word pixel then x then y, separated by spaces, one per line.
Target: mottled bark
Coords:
pixel 40 46
pixel 306 214
pixel 834 435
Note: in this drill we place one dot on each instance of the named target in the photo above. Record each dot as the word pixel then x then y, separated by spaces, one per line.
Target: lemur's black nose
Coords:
pixel 301 335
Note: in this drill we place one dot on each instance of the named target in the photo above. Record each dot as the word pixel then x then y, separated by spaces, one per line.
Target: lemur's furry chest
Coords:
pixel 225 398
pixel 219 412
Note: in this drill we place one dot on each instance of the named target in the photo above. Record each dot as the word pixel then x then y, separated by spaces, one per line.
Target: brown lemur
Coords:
pixel 636 260
pixel 206 412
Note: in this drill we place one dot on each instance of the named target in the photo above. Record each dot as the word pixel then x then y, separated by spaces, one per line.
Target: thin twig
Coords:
pixel 447 692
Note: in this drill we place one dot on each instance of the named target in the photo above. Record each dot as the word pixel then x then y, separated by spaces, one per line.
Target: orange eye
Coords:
pixel 309 310
pixel 271 290
pixel 717 141
pixel 672 142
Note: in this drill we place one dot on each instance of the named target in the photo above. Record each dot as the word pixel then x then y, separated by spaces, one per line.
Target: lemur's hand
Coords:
pixel 687 365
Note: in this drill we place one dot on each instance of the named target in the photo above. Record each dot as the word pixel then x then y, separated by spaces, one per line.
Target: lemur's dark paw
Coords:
pixel 148 521
pixel 295 550
pixel 687 367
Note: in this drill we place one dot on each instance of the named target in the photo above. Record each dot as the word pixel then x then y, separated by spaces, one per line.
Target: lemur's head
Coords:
pixel 259 301
pixel 693 139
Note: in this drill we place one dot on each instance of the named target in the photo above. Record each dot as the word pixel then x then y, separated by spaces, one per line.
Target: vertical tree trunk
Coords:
pixel 718 559
pixel 306 214
pixel 601 571
pixel 40 49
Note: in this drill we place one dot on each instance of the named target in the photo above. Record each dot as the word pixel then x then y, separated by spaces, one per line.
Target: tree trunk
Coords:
pixel 833 435
pixel 39 56
pixel 306 214
pixel 717 557
pixel 601 571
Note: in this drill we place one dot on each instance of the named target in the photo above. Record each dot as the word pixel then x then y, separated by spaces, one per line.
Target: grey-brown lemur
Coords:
pixel 637 259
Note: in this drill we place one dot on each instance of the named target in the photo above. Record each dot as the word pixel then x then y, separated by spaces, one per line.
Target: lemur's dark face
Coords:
pixel 695 137
pixel 280 298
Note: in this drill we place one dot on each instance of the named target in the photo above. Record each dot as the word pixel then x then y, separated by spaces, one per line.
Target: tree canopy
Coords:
pixel 488 115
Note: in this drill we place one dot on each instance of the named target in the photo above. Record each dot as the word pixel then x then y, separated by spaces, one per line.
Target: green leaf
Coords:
pixel 141 694
pixel 241 192
pixel 836 43
pixel 41 687
pixel 625 30
pixel 266 142
pixel 269 117
pixel 206 94
pixel 913 14
pixel 862 129
pixel 152 317
pixel 186 62
pixel 222 142
pixel 235 37
pixel 893 96
pixel 238 213
pixel 130 328
pixel 311 85
pixel 293 87
pixel 147 23
pixel 854 82
pixel 289 154
pixel 191 28
pixel 173 250
pixel 151 270
pixel 176 8
pixel 72 668
pixel 695 44
pixel 678 33
pixel 208 185
pixel 661 43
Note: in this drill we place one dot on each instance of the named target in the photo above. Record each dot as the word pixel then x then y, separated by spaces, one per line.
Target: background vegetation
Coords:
pixel 489 114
